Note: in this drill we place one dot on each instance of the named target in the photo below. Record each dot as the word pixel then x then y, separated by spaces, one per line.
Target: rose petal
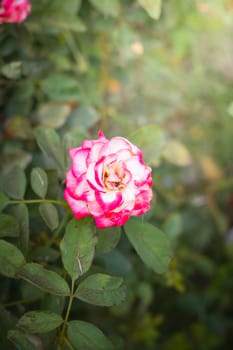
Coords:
pixel 79 161
pixel 109 200
pixel 78 207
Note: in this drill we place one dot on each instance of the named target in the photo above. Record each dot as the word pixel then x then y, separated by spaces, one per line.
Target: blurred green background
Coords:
pixel 167 85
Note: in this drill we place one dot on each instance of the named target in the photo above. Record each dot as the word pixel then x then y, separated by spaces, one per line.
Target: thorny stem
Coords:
pixel 62 334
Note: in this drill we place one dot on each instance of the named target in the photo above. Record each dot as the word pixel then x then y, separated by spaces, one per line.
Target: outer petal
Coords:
pixel 112 219
pixel 79 161
pixel 120 143
pixel 71 182
pixel 78 207
pixel 142 203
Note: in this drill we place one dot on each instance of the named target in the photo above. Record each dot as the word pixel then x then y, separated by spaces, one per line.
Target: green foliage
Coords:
pixel 49 214
pixel 39 182
pixel 14 183
pixel 84 335
pixel 20 211
pixel 102 290
pixel 78 247
pixel 9 226
pixel 39 322
pixel 50 144
pixel 48 281
pixel 108 239
pixel 150 243
pixel 3 201
pixel 153 7
pixel 20 340
pixel 10 259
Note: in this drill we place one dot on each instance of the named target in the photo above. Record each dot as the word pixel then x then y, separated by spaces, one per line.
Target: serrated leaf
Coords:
pixel 108 239
pixel 107 7
pixel 3 201
pixel 39 322
pixel 84 335
pixel 39 182
pixel 50 144
pixel 11 259
pixel 14 183
pixel 152 7
pixel 44 279
pixel 78 246
pixel 20 340
pixel 102 290
pixel 49 214
pixel 9 226
pixel 151 244
pixel 151 139
pixel 176 153
pixel 20 211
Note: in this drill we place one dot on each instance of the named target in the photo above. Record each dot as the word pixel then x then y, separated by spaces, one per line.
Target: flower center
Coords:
pixel 114 176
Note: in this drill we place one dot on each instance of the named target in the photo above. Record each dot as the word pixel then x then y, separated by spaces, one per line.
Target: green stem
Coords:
pixel 34 201
pixel 62 334
pixel 21 301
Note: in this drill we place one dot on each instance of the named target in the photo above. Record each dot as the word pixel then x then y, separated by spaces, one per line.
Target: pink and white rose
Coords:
pixel 14 11
pixel 108 180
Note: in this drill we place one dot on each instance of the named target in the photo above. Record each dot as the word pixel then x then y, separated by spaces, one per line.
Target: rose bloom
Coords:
pixel 108 180
pixel 13 11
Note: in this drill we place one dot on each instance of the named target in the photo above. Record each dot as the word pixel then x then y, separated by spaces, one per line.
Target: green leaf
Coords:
pixel 44 279
pixel 11 259
pixel 53 114
pixel 20 340
pixel 78 246
pixel 108 239
pixel 54 23
pixel 39 322
pixel 173 225
pixel 3 201
pixel 150 243
pixel 49 214
pixel 12 70
pixel 61 87
pixel 51 146
pixel 69 6
pixel 44 254
pixel 20 211
pixel 176 153
pixel 151 139
pixel 9 226
pixel 19 127
pixel 102 290
pixel 39 182
pixel 84 335
pixel 152 7
pixel 107 7
pixel 14 183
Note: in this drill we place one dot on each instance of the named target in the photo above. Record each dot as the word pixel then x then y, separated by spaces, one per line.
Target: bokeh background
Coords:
pixel 166 84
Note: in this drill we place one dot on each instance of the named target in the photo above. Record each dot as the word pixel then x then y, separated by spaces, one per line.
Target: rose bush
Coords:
pixel 108 180
pixel 13 11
